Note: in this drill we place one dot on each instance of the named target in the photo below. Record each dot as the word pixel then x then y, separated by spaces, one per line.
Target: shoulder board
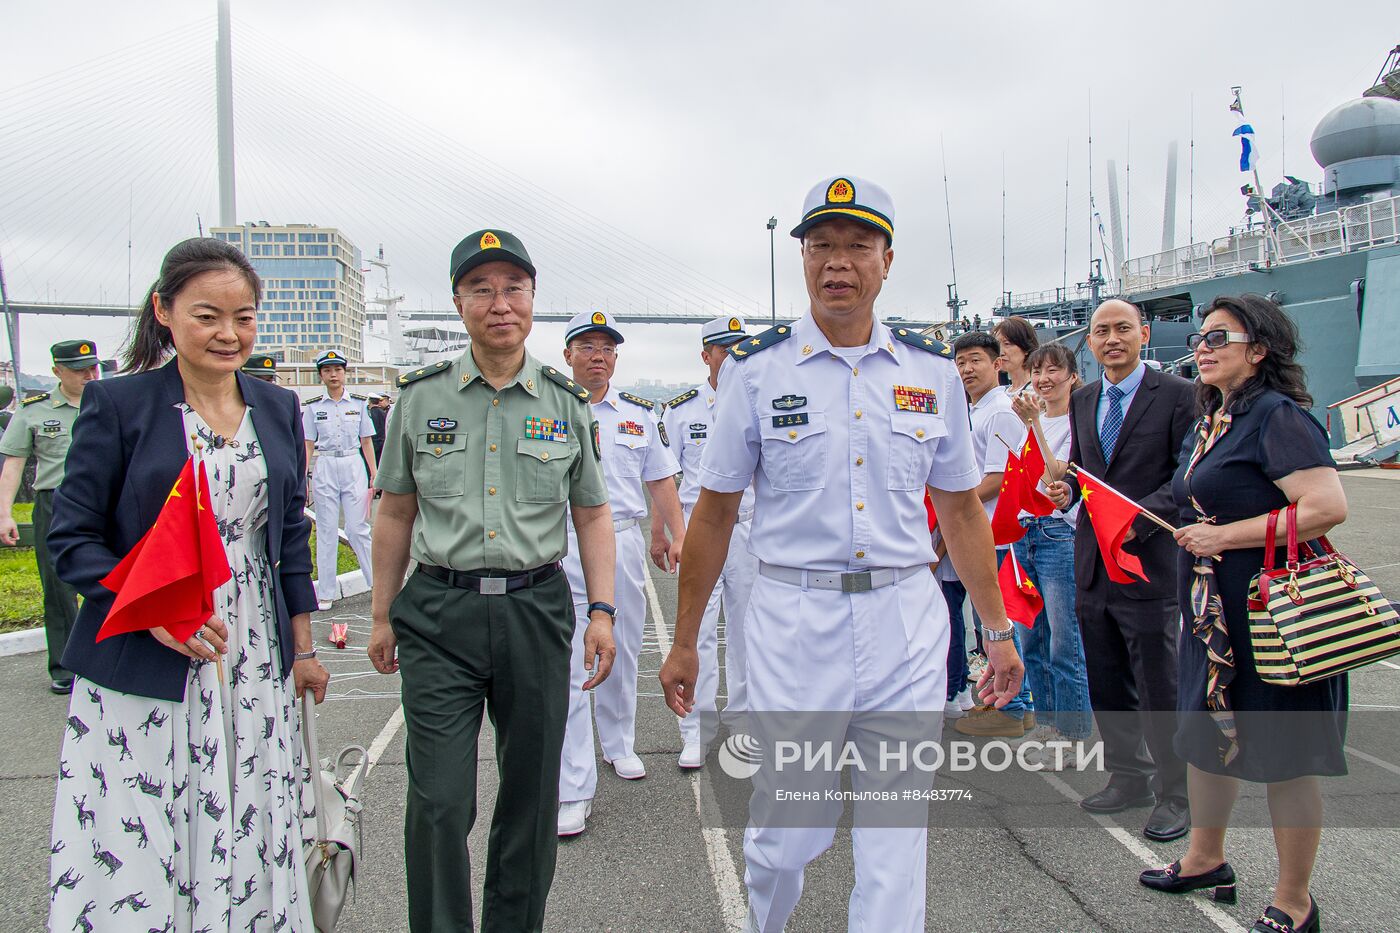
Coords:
pixel 411 377
pixel 682 398
pixel 313 401
pixel 762 342
pixel 573 388
pixel 646 403
pixel 913 339
pixel 36 398
pixel 359 398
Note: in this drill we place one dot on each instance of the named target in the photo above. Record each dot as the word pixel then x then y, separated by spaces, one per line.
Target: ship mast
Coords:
pixel 955 304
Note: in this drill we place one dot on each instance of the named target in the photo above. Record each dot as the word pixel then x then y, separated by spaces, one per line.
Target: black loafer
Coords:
pixel 1276 921
pixel 1114 799
pixel 61 687
pixel 1170 819
pixel 1171 880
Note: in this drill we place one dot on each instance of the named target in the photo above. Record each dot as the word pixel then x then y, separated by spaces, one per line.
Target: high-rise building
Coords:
pixel 313 290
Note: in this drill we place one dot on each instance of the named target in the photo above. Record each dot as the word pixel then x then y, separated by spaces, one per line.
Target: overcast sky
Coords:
pixel 605 131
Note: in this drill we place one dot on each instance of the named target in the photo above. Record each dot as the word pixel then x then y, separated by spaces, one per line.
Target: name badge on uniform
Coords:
pixel 323 416
pixel 547 429
pixel 913 398
pixel 788 421
pixel 698 429
pixel 631 427
pixel 441 438
pixel 789 402
pixel 441 424
pixel 52 427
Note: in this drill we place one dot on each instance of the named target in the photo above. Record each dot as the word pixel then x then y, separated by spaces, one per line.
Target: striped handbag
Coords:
pixel 1312 620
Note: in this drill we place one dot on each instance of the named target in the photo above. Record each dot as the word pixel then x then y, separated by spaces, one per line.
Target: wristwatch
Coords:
pixel 609 608
pixel 1005 634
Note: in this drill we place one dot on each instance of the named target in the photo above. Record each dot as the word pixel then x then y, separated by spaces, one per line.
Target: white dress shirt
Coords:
pixel 689 426
pixel 632 453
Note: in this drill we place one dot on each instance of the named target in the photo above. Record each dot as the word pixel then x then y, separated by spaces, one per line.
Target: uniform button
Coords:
pixel 857 414
pixel 860 553
pixel 490 534
pixel 919 433
pixel 437 450
pixel 855 370
pixel 860 461
pixel 493 448
pixel 860 506
pixel 491 491
pixel 465 378
pixel 545 455
pixel 792 434
pixel 495 401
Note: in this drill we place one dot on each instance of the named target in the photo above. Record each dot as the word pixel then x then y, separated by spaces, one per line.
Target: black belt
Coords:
pixel 491 582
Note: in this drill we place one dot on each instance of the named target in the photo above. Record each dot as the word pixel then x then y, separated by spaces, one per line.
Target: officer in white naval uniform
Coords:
pixel 634 451
pixel 840 422
pixel 689 423
pixel 339 430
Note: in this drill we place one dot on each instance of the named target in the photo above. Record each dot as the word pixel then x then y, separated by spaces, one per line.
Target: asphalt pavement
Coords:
pixel 650 862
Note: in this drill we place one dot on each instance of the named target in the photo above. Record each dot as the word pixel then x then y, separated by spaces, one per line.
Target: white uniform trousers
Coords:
pixel 731 591
pixel 884 650
pixel 615 699
pixel 340 484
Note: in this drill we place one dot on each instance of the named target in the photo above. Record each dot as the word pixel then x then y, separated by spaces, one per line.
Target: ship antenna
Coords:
pixel 1191 186
pixel 1064 270
pixel 954 303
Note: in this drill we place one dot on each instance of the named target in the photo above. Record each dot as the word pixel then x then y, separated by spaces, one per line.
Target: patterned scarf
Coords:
pixel 1208 614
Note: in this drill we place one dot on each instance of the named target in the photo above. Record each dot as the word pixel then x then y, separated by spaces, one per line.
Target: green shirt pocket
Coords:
pixel 542 469
pixel 440 465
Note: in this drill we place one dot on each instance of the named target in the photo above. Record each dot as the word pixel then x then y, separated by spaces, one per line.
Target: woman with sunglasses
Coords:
pixel 1256 449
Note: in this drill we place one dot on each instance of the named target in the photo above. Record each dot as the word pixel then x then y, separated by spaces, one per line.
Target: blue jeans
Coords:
pixel 955 594
pixel 1021 702
pixel 1054 650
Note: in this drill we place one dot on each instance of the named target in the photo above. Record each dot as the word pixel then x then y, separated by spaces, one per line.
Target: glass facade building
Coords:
pixel 313 288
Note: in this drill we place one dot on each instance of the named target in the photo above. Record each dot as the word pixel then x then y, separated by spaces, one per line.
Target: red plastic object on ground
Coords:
pixel 339 634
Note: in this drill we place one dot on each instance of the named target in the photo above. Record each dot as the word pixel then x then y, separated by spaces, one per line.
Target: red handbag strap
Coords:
pixel 1269 540
pixel 1292 536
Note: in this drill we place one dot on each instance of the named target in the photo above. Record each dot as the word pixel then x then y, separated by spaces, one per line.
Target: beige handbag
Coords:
pixel 331 859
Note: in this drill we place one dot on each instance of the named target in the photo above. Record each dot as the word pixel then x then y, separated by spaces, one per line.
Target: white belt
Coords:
pixel 622 524
pixel 338 453
pixel 860 581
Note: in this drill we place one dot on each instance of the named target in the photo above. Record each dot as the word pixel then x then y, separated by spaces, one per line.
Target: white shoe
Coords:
pixel 323 605
pixel 692 756
pixel 964 699
pixel 573 817
pixel 953 709
pixel 629 768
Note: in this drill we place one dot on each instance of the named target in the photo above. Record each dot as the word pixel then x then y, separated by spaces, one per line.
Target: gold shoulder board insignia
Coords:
pixel 928 344
pixel 646 403
pixel 682 398
pixel 35 398
pixel 573 388
pixel 409 378
pixel 762 342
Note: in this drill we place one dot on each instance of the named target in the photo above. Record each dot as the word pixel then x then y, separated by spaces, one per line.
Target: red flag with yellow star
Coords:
pixel 1023 600
pixel 168 579
pixel 1006 521
pixel 1033 462
pixel 1111 514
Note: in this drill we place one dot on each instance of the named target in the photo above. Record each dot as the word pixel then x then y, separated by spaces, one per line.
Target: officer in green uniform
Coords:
pixel 482 455
pixel 43 428
pixel 261 366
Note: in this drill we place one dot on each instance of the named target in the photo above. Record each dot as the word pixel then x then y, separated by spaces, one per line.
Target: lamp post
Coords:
pixel 772 273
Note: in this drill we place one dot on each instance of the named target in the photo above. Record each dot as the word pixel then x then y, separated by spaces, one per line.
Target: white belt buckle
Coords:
pixel 858 582
pixel 493 586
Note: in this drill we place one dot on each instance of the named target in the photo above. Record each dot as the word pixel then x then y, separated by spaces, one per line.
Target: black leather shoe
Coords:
pixel 1171 880
pixel 1170 819
pixel 1276 921
pixel 1115 798
pixel 62 687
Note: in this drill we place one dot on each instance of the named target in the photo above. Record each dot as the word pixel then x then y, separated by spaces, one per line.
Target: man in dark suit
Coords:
pixel 1128 429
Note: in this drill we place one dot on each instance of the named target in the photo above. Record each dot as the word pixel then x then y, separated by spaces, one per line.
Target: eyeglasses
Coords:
pixel 588 349
pixel 513 294
pixel 1215 339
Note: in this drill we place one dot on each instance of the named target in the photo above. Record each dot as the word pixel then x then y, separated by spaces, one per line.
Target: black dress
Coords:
pixel 1284 732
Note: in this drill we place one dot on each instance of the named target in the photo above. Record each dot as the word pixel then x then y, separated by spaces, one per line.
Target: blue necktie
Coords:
pixel 1112 422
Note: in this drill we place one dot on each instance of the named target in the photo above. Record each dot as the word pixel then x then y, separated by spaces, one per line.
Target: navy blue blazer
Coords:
pixel 128 449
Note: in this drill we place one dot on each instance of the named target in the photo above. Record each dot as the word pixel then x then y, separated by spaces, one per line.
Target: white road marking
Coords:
pixel 1379 763
pixel 1391 665
pixel 723 872
pixel 1149 858
pixel 382 740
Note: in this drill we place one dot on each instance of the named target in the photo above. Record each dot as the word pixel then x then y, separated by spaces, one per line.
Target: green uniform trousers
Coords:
pixel 461 652
pixel 60 599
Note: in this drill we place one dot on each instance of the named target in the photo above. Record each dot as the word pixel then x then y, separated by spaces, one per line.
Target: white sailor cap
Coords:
pixel 586 321
pixel 847 196
pixel 723 331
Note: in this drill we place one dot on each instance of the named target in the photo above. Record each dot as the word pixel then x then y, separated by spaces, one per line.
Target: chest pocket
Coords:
pixel 625 457
pixel 794 456
pixel 440 469
pixel 541 469
pixel 914 438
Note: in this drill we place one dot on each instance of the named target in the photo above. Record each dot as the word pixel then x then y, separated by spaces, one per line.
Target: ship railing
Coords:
pixel 1194 262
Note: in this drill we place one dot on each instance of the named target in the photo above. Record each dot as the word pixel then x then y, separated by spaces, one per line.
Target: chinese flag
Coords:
pixel 932 515
pixel 1023 601
pixel 1006 522
pixel 168 579
pixel 1110 513
pixel 1033 462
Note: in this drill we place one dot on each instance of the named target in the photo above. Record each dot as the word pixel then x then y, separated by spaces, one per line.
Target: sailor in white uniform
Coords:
pixel 340 434
pixel 840 422
pixel 634 451
pixel 689 423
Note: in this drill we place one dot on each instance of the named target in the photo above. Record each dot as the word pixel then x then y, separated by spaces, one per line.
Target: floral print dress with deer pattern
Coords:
pixel 157 825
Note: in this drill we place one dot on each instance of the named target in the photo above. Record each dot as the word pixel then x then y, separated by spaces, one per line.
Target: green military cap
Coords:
pixel 330 358
pixel 260 364
pixel 75 354
pixel 488 246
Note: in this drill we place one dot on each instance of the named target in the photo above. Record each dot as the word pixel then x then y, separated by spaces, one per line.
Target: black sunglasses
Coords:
pixel 1215 339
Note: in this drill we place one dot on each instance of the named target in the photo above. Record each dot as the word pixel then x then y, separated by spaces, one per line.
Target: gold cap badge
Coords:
pixel 841 191
pixel 85 349
pixel 734 323
pixel 489 240
pixel 600 318
pixel 267 363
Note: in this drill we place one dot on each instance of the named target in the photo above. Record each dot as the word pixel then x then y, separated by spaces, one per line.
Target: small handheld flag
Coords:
pixel 1023 601
pixel 1111 514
